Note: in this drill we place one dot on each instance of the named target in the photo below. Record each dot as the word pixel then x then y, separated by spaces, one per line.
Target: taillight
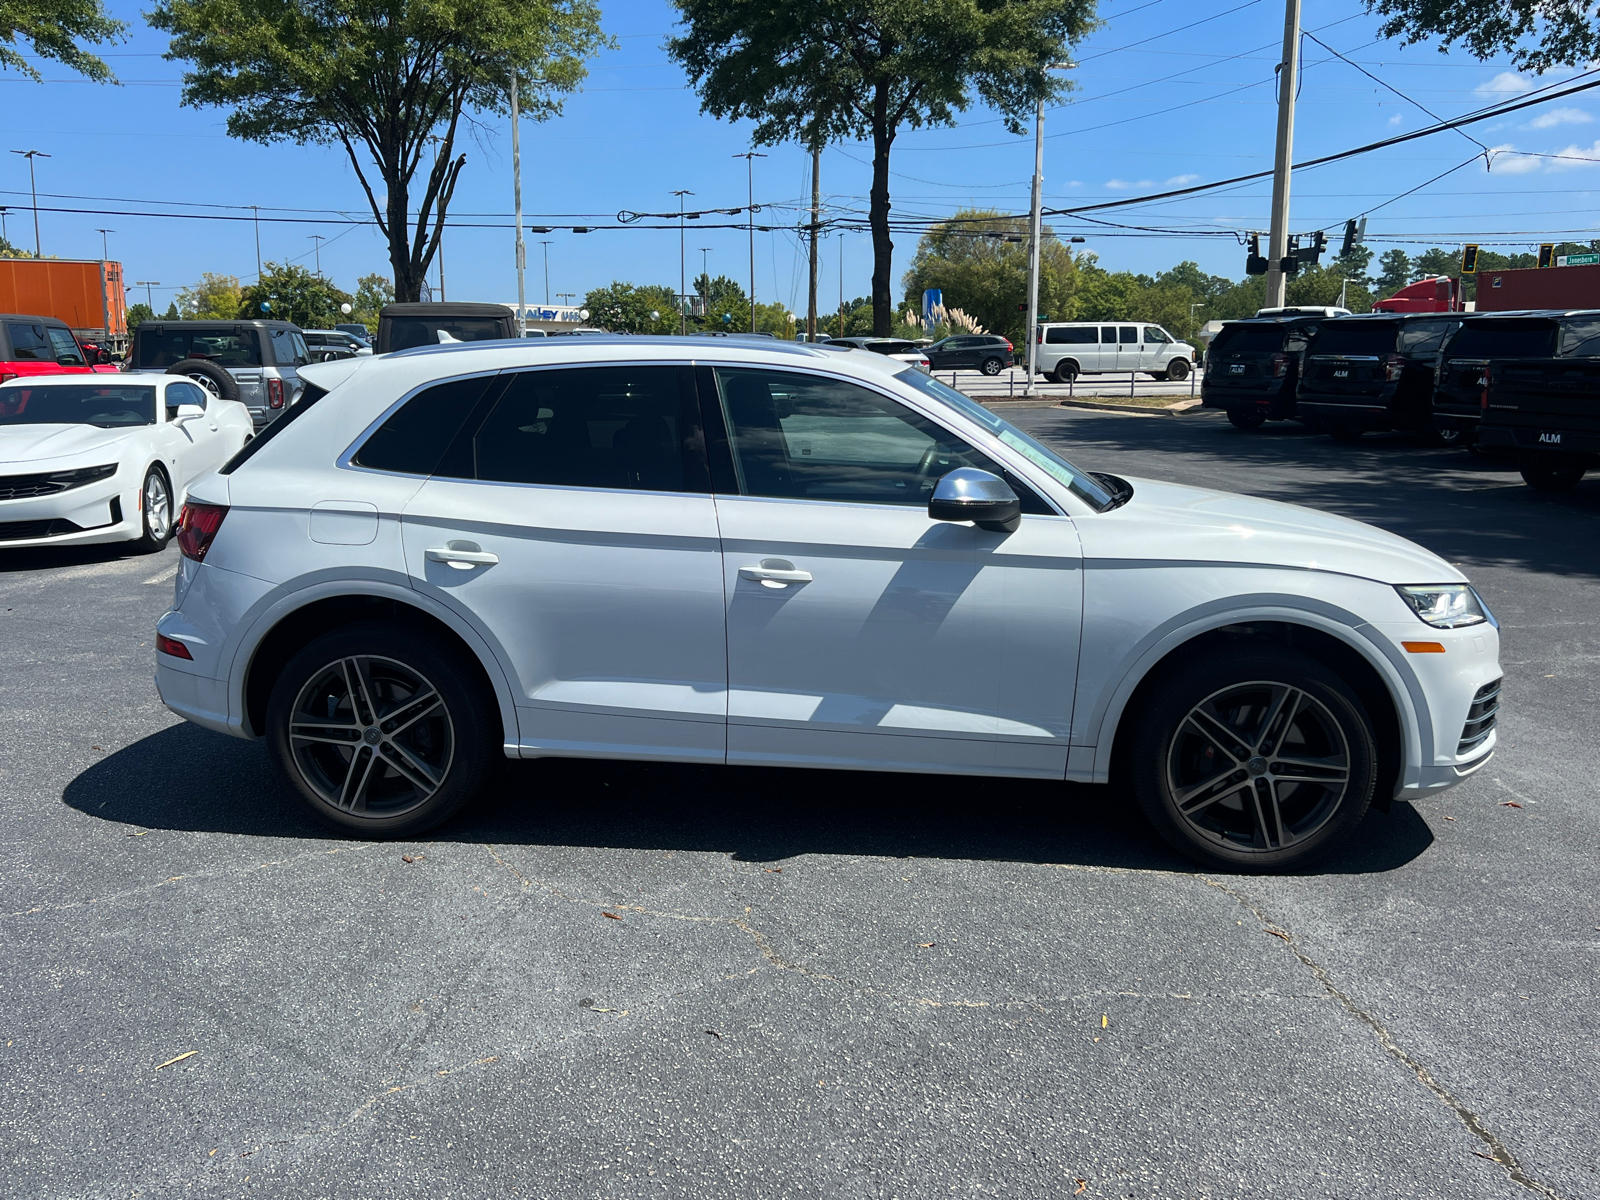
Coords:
pixel 1280 365
pixel 166 645
pixel 274 393
pixel 1483 399
pixel 1392 367
pixel 1039 336
pixel 5 375
pixel 197 527
pixel 1009 346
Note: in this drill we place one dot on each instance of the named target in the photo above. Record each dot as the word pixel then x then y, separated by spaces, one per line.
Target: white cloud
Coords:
pixel 1180 180
pixel 1396 119
pixel 1124 184
pixel 1574 156
pixel 1504 84
pixel 1559 116
pixel 1507 162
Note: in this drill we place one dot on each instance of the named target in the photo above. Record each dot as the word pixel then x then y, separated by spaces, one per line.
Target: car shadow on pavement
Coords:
pixel 1464 507
pixel 48 558
pixel 756 814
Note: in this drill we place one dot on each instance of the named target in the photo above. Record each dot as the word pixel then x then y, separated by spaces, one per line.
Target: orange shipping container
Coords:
pixel 85 293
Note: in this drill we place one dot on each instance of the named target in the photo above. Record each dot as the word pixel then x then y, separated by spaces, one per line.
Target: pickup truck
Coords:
pixel 1546 410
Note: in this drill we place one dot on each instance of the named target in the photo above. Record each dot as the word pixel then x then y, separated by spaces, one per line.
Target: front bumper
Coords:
pixel 104 511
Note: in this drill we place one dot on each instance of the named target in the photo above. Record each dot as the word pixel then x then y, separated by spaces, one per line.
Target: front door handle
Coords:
pixel 461 560
pixel 774 576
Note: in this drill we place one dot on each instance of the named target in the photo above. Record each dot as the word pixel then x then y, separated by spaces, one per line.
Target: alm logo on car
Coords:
pixel 1553 439
pixel 1342 373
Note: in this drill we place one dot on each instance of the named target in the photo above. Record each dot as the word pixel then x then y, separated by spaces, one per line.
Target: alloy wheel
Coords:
pixel 371 736
pixel 1258 766
pixel 208 383
pixel 157 507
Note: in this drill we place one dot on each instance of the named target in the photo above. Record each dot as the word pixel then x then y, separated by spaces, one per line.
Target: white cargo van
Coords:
pixel 1071 348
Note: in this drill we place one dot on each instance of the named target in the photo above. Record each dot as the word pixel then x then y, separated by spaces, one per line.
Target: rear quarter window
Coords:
pixel 1357 340
pixel 1504 339
pixel 1580 338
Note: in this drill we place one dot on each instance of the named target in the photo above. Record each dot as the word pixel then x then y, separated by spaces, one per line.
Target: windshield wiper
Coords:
pixel 1121 490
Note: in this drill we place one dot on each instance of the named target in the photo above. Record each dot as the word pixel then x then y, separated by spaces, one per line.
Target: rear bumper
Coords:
pixel 1540 439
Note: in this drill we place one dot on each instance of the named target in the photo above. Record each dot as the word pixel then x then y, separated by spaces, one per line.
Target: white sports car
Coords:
pixel 107 458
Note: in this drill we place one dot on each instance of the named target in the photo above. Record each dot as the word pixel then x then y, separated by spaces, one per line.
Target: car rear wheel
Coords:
pixel 1546 476
pixel 991 366
pixel 1254 760
pixel 1447 434
pixel 213 379
pixel 155 512
pixel 383 732
pixel 1065 372
pixel 1177 369
pixel 1246 418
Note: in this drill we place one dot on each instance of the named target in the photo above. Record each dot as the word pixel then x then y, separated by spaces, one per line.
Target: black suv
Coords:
pixel 406 325
pixel 986 352
pixel 1375 371
pixel 1545 408
pixel 1464 362
pixel 1252 368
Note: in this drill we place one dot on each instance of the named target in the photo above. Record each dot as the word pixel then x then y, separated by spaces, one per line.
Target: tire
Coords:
pixel 1226 816
pixel 157 519
pixel 1065 372
pixel 1446 436
pixel 991 366
pixel 1546 476
pixel 1177 369
pixel 208 375
pixel 1341 432
pixel 399 786
pixel 1246 418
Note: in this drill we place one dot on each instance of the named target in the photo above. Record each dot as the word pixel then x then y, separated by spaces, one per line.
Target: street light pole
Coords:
pixel 255 210
pixel 149 300
pixel 750 211
pixel 1035 233
pixel 105 250
pixel 1278 236
pixel 816 211
pixel 33 186
pixel 516 189
pixel 683 270
pixel 546 246
pixel 318 239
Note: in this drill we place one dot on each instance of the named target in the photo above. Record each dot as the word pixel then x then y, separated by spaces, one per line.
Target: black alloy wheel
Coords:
pixel 1254 760
pixel 382 730
pixel 1246 418
pixel 1552 474
pixel 991 366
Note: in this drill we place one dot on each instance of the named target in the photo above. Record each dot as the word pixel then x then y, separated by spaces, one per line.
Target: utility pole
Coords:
pixel 683 269
pixel 1035 234
pixel 750 162
pixel 841 283
pixel 546 246
pixel 816 228
pixel 318 239
pixel 256 209
pixel 149 300
pixel 33 186
pixel 1278 237
pixel 105 246
pixel 516 189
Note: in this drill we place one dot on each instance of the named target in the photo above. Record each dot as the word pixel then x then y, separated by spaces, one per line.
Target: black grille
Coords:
pixel 1480 718
pixel 22 487
pixel 16 531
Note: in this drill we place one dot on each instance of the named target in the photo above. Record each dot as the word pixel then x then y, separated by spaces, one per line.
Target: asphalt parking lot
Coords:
pixel 623 980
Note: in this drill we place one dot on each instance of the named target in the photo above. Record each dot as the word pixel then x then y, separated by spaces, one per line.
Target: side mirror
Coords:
pixel 968 494
pixel 188 412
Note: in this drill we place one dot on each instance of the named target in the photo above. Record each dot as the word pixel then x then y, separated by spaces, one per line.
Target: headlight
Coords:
pixel 1444 605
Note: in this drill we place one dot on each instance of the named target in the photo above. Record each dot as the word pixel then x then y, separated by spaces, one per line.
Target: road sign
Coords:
pixel 1577 260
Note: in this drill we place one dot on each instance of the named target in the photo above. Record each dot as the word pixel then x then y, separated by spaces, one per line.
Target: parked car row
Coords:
pixel 1521 384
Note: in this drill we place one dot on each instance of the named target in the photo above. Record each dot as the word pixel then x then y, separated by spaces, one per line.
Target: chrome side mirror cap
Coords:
pixel 968 494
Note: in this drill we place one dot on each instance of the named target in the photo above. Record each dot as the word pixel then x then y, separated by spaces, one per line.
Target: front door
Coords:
pixel 862 633
pixel 571 522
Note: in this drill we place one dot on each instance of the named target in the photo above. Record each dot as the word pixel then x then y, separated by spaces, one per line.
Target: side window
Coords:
pixel 183 393
pixel 29 344
pixel 1082 335
pixel 1154 335
pixel 1296 337
pixel 1127 333
pixel 1580 338
pixel 590 427
pixel 1056 335
pixel 1108 335
pixel 806 437
pixel 63 348
pixel 416 435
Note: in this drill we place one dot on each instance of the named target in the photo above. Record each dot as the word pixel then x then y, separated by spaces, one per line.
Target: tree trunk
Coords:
pixel 407 282
pixel 878 215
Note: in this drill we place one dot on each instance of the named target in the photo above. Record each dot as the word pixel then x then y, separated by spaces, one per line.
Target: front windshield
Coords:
pixel 78 404
pixel 1082 485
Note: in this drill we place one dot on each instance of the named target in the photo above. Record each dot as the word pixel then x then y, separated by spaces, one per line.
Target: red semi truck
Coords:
pixel 1439 294
pixel 85 294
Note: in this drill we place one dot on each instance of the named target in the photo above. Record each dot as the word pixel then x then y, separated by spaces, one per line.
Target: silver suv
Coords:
pixel 255 362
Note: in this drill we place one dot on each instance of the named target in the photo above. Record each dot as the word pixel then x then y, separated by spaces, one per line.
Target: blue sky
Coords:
pixel 1169 92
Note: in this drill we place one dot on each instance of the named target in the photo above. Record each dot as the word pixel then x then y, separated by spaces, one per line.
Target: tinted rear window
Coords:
pixel 1424 337
pixel 416 435
pixel 1248 339
pixel 406 332
pixel 1363 338
pixel 1072 335
pixel 163 348
pixel 1504 339
pixel 1580 337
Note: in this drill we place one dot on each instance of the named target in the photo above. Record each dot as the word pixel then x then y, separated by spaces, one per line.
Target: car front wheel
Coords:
pixel 382 731
pixel 1552 476
pixel 155 505
pixel 1177 369
pixel 1254 760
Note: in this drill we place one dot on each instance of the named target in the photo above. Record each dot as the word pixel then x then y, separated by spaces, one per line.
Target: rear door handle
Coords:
pixel 775 576
pixel 462 560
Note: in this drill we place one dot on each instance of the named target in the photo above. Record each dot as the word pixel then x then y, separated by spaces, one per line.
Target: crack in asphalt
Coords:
pixel 1499 1152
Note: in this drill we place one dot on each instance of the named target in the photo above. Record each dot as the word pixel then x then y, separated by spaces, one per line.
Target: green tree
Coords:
pixel 52 29
pixel 631 308
pixel 138 314
pixel 372 293
pixel 290 293
pixel 727 308
pixel 1396 267
pixel 214 298
pixel 7 250
pixel 383 79
pixel 172 313
pixel 819 71
pixel 1435 262
pixel 1567 32
pixel 978 259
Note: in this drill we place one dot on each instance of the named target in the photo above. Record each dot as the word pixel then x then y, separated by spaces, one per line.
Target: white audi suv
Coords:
pixel 726 551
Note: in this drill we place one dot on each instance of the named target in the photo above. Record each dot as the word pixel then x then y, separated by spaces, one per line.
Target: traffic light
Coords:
pixel 1469 259
pixel 1349 243
pixel 1312 254
pixel 1289 264
pixel 1254 264
pixel 1546 254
